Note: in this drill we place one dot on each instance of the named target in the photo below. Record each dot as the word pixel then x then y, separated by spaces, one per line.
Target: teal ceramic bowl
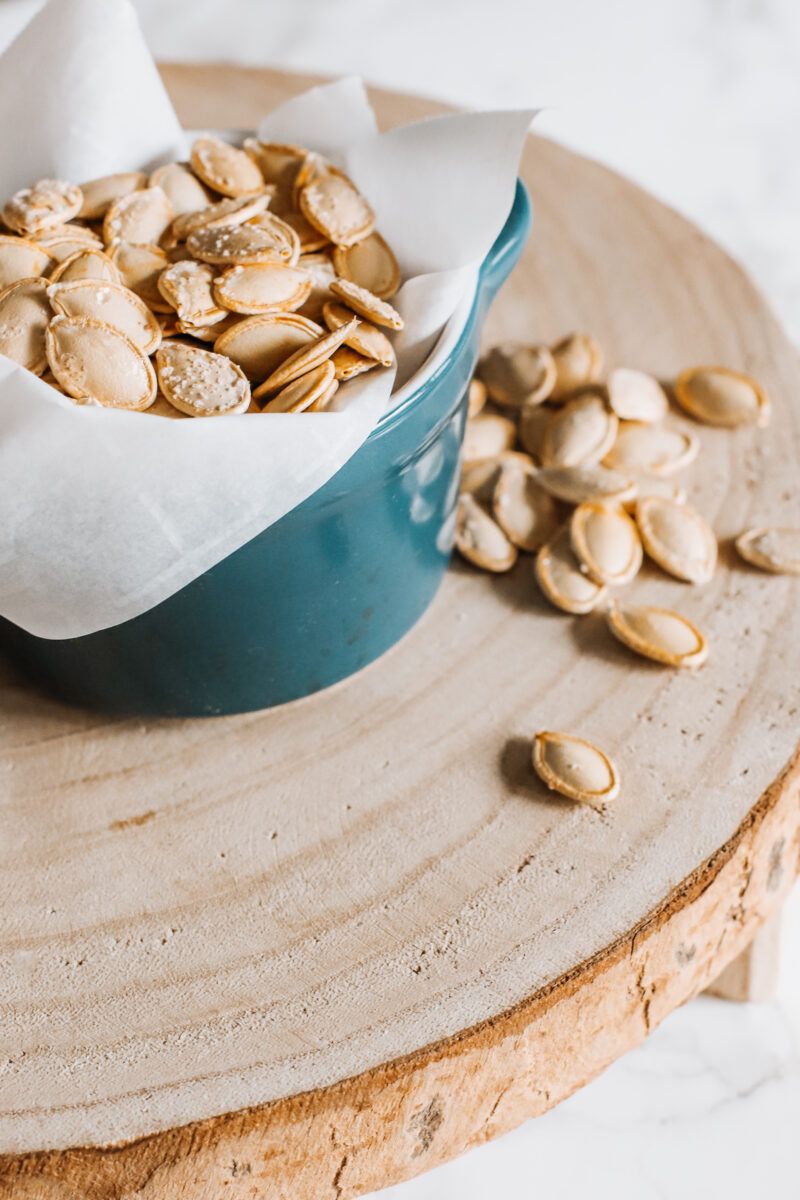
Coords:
pixel 318 595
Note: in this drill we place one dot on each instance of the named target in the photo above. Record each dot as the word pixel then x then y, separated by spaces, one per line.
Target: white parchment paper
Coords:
pixel 104 514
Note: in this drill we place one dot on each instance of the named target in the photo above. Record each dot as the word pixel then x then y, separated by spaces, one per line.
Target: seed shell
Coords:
pixel 677 538
pixel 267 287
pixel 141 217
pixel 578 362
pixel 575 485
pixel 488 435
pixel 185 192
pixel 86 264
pixel 659 634
pixel 227 245
pixel 516 374
pixel 189 288
pixel 580 433
pixel 364 337
pixel 575 768
pixel 773 548
pixel 380 312
pixel 24 315
pixel 139 268
pixel 100 194
pixel 304 392
pixel 348 363
pixel 526 514
pixel 21 259
pixel 371 264
pixel 200 383
pixel 480 540
pixel 50 202
pixel 93 361
pixel 652 449
pixel 337 209
pixel 219 215
pixel 606 541
pixel 720 396
pixel 225 168
pixel 636 396
pixel 561 579
pixel 110 304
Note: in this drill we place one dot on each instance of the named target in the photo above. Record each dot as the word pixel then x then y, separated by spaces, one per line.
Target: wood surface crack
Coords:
pixel 337 1188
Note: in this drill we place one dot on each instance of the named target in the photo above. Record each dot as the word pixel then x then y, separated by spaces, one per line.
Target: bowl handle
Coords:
pixel 507 247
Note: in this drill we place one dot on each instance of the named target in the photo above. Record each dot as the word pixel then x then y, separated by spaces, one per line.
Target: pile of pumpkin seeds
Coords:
pixel 580 471
pixel 249 279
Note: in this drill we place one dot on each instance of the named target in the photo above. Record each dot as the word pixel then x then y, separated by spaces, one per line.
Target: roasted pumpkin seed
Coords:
pixel 21 259
pixel 677 538
pixel 575 768
pixel 658 633
pixel 581 433
pixel 516 374
pixel 606 542
pixel 200 383
pixel 110 304
pixel 50 202
pixel 304 360
pixel 260 344
pixel 576 485
pixel 93 361
pixel 578 361
pixel 185 192
pixel 561 579
pixel 24 316
pixel 371 264
pixel 302 393
pixel 636 396
pixel 372 308
pixel 140 217
pixel 480 540
pixel 267 287
pixel 773 548
pixel 526 514
pixel 337 209
pixel 720 396
pixel 652 449
pixel 488 435
pixel 85 264
pixel 225 168
pixel 100 194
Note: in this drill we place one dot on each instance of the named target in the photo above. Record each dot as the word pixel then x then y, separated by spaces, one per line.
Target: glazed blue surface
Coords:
pixel 318 595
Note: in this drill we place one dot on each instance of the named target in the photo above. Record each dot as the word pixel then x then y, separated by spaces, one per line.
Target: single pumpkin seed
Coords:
pixel 526 514
pixel 371 307
pixel 364 337
pixel 50 202
pixel 277 162
pixel 73 232
pixel 476 397
pixel 322 402
pixel 24 316
pixel 227 245
pixel 606 542
pixel 267 287
pixel 480 540
pixel 480 477
pixel 720 396
pixel 636 396
pixel 200 383
pixel 225 168
pixel 93 361
pixel 219 215
pixel 516 374
pixel 21 259
pixel 562 580
pixel 575 485
pixel 348 363
pixel 139 268
pixel 285 235
pixel 334 206
pixel 488 435
pixel 100 194
pixel 578 361
pixel 260 344
pixel 185 192
pixel 652 449
pixel 302 393
pixel 575 768
pixel 111 304
pixel 320 268
pixel 371 264
pixel 658 633
pixel 533 421
pixel 303 360
pixel 141 217
pixel 86 264
pixel 580 433
pixel 773 548
pixel 677 538
pixel 189 288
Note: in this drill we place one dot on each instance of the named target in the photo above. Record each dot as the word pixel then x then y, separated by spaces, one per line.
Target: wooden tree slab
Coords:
pixel 313 951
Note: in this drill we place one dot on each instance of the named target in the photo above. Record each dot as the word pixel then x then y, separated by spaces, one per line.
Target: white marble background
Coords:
pixel 698 100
